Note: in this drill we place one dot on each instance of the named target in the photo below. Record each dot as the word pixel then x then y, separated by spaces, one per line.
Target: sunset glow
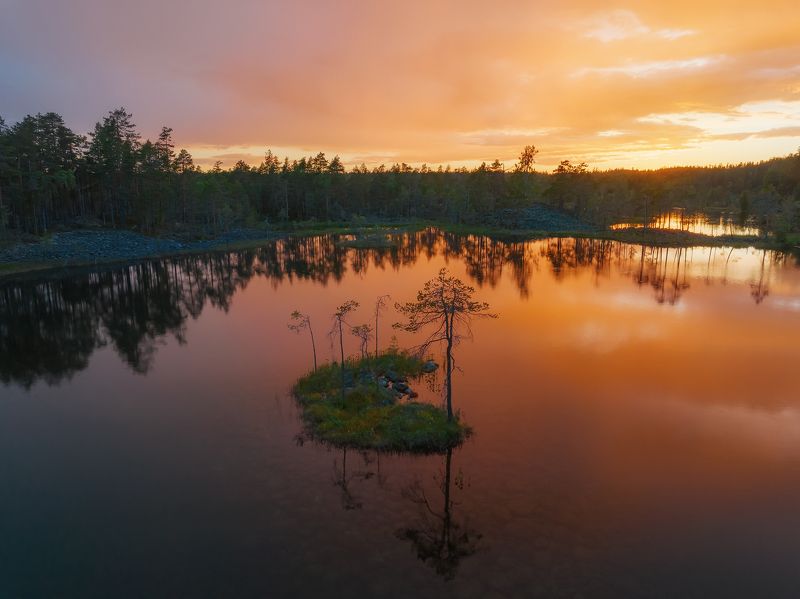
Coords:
pixel 643 85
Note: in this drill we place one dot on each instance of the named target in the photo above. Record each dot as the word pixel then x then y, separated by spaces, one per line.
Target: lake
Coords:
pixel 698 222
pixel 636 414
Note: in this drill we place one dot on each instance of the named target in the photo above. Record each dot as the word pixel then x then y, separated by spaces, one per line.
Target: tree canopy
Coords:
pixel 51 176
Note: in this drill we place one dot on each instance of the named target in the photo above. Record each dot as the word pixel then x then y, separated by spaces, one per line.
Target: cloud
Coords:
pixel 766 119
pixel 616 25
pixel 674 34
pixel 620 24
pixel 414 82
pixel 649 69
pixel 504 137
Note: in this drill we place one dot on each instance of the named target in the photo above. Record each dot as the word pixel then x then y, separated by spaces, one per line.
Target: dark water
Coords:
pixel 636 414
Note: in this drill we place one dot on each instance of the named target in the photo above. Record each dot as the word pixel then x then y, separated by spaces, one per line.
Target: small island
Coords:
pixel 376 409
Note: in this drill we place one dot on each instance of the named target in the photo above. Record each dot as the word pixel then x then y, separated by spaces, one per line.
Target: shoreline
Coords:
pixel 81 248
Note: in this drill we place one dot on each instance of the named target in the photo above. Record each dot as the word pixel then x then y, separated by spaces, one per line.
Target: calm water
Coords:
pixel 678 220
pixel 637 418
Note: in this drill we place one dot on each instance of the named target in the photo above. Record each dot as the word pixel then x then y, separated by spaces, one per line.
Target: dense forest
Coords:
pixel 52 177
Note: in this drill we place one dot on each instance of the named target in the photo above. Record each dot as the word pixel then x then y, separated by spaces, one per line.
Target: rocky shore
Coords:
pixel 87 247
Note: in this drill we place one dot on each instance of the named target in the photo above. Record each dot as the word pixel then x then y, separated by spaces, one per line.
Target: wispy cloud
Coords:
pixel 674 34
pixel 656 67
pixel 621 24
pixel 502 137
pixel 766 119
pixel 615 25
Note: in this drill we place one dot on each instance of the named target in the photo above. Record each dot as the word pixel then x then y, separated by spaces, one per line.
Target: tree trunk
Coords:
pixel 445 539
pixel 449 335
pixel 341 348
pixel 313 345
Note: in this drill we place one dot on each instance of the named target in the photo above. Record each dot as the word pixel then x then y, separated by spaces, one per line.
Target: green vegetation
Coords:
pixel 370 416
pixel 51 177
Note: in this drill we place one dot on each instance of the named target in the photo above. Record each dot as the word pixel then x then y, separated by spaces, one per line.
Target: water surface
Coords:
pixel 636 414
pixel 698 222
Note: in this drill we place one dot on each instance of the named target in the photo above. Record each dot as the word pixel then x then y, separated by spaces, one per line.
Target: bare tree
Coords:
pixel 364 334
pixel 444 303
pixel 380 305
pixel 302 321
pixel 339 323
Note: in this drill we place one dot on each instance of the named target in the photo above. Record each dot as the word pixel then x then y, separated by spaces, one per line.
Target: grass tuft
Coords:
pixel 370 416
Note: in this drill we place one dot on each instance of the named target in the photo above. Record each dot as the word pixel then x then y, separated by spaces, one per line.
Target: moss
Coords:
pixel 369 416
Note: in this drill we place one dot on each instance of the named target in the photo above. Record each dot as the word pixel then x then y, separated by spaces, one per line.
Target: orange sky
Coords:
pixel 642 84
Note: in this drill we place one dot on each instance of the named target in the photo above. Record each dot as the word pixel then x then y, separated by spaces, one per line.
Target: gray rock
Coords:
pixel 429 366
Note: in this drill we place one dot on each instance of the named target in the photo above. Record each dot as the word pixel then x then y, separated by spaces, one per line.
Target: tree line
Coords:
pixel 51 177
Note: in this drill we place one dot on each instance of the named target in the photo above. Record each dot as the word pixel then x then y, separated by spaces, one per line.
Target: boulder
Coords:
pixel 392 376
pixel 429 366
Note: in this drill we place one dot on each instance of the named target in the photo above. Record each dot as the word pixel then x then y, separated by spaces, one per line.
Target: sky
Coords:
pixel 635 85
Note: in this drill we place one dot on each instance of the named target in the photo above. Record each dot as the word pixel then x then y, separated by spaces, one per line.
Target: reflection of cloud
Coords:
pixel 786 303
pixel 603 337
pixel 774 427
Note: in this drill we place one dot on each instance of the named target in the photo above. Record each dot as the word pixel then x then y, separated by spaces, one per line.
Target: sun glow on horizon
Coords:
pixel 643 86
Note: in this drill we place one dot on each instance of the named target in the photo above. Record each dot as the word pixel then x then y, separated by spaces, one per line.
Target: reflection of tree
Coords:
pixel 759 289
pixel 343 479
pixel 438 537
pixel 46 332
pixel 668 284
pixel 349 501
pixel 49 327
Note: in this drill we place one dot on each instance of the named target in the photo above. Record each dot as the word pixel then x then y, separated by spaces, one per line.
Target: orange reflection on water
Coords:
pixel 631 402
pixel 679 220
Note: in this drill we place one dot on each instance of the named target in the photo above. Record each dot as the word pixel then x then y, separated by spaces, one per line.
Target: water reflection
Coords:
pixel 439 532
pixel 50 326
pixel 439 538
pixel 704 224
pixel 342 480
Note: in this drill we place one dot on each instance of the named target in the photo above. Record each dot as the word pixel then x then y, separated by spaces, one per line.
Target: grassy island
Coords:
pixel 377 410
